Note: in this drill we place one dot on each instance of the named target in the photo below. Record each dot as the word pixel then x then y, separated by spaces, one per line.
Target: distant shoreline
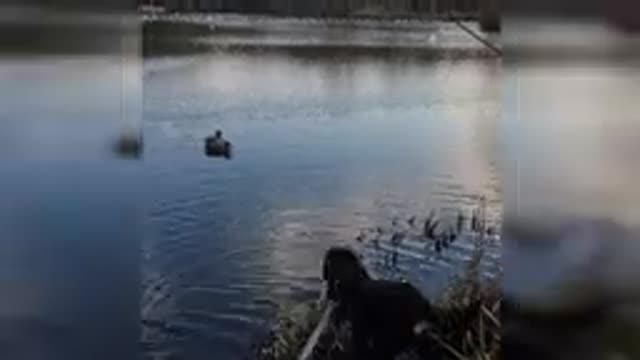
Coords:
pixel 361 20
pixel 196 33
pixel 366 13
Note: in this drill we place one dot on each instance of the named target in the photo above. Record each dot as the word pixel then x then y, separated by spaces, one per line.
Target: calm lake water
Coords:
pixel 324 147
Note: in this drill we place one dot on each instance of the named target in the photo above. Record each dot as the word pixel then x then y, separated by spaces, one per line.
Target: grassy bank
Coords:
pixel 466 325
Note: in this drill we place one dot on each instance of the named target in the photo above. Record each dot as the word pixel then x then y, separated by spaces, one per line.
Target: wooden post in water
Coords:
pixel 489 15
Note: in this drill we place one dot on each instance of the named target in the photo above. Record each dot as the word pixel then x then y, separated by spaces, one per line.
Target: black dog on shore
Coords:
pixel 386 316
pixel 342 270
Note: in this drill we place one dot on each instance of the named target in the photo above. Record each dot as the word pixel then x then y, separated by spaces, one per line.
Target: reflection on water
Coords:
pixel 50 113
pixel 69 229
pixel 571 216
pixel 570 144
pixel 323 148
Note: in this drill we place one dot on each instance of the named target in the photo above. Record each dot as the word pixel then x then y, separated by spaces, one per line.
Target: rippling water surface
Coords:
pixel 323 148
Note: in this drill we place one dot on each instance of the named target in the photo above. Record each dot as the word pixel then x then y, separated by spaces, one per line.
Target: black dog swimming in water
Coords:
pixel 384 314
pixel 217 146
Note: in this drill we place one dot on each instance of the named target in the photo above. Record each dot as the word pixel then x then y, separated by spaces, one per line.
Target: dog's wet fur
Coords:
pixel 384 314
